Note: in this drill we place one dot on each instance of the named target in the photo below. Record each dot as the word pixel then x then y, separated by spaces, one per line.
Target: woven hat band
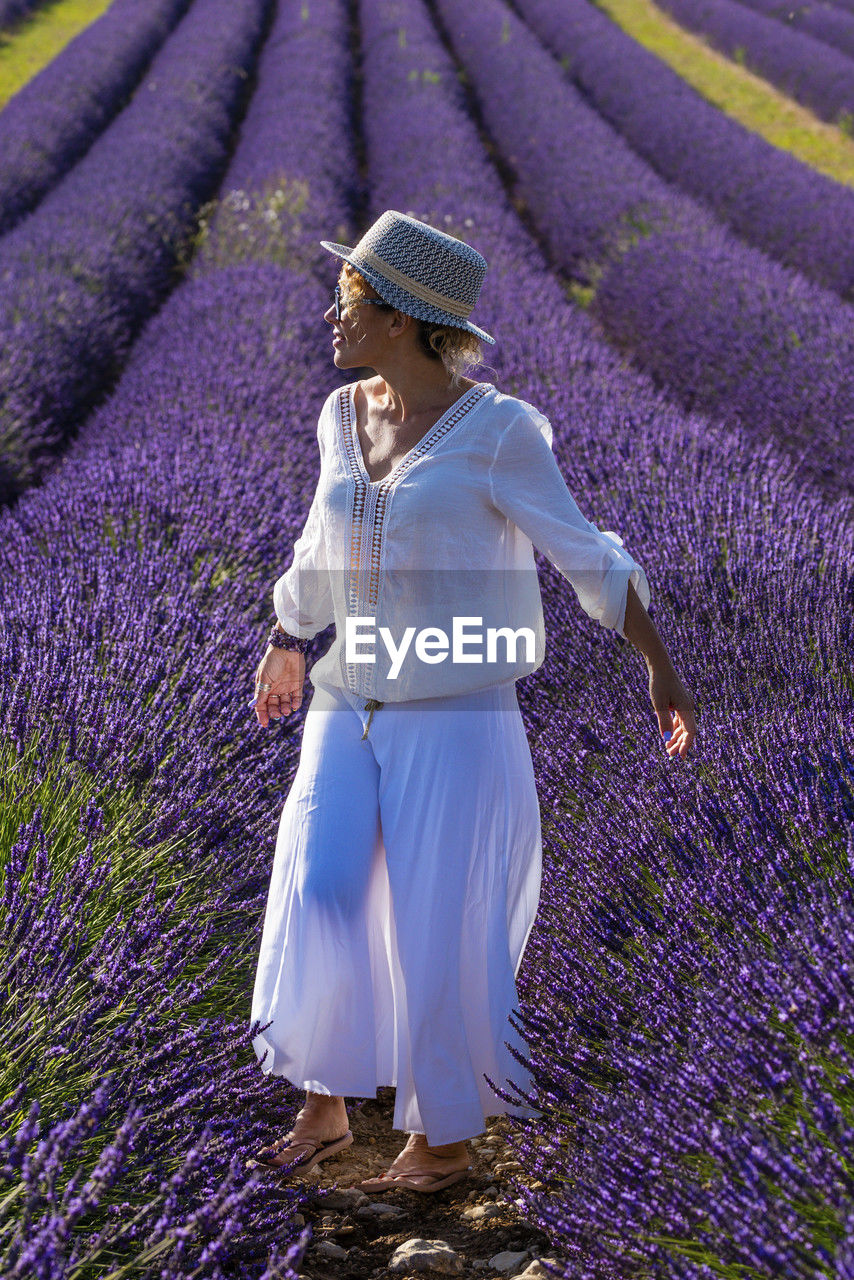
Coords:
pixel 413 286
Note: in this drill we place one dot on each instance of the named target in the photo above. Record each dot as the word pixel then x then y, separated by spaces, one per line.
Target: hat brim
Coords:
pixel 381 285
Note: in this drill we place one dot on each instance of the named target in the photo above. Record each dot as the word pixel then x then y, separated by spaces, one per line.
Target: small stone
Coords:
pixel 508 1260
pixel 343 1198
pixel 374 1209
pixel 327 1219
pixel 426 1255
pixel 298 1220
pixel 534 1272
pixel 491 1191
pixel 330 1250
pixel 506 1165
pixel 479 1211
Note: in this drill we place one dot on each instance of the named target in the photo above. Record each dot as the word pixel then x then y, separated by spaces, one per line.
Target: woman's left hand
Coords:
pixel 674 708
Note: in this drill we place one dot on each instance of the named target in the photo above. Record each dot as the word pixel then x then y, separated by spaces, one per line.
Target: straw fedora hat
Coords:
pixel 422 271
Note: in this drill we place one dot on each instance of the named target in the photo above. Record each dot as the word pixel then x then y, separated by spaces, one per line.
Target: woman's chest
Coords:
pixel 435 508
pixel 383 446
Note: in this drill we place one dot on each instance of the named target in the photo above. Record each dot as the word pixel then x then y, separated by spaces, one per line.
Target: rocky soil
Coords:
pixel 473 1228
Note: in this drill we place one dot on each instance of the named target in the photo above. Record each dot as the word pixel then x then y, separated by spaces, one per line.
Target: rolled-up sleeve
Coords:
pixel 528 488
pixel 302 596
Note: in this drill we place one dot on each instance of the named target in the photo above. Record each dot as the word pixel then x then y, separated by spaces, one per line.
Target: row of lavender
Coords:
pixel 801 66
pixel 823 21
pixel 688 954
pixel 716 321
pixel 50 123
pixel 136 594
pixel 769 198
pixel 83 272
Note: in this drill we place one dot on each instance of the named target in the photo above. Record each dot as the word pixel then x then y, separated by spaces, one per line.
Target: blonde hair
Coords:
pixel 457 348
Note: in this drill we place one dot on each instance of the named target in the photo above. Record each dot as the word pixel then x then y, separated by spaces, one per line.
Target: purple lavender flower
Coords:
pixel 82 273
pixel 54 119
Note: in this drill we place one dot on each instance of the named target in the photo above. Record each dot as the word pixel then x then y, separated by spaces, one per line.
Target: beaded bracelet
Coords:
pixel 281 640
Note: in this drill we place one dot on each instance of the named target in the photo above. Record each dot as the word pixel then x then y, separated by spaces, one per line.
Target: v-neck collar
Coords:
pixel 347 423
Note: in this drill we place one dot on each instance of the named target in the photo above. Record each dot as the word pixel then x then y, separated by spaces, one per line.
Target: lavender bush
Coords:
pixel 105 975
pixel 715 1115
pixel 823 21
pixel 54 119
pixel 785 208
pixel 136 590
pixel 717 322
pixel 667 891
pixel 805 68
pixel 12 10
pixel 82 273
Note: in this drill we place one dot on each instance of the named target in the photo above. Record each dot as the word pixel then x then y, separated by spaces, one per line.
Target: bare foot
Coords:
pixel 321 1119
pixel 421 1163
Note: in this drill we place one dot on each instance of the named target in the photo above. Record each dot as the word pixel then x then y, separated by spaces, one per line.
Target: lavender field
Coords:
pixel 687 993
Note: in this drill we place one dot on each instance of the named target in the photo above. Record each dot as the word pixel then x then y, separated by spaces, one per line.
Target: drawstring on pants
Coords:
pixel 371 706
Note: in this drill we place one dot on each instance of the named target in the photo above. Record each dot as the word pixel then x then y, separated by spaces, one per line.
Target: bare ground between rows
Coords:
pixel 370 1240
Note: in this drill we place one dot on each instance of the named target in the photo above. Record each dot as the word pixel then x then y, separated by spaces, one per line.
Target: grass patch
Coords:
pixel 37 39
pixel 736 91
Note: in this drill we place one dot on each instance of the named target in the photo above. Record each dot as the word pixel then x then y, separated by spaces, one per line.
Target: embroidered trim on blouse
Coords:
pixel 379 490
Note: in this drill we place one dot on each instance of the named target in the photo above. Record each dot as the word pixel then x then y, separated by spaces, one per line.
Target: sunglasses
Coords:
pixel 377 302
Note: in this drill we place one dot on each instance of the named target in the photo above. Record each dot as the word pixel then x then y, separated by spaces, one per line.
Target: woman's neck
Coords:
pixel 406 395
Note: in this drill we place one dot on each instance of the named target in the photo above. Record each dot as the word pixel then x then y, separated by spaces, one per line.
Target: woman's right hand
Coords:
pixel 284 671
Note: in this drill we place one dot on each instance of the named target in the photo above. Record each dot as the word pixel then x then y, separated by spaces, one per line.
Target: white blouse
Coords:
pixel 429 560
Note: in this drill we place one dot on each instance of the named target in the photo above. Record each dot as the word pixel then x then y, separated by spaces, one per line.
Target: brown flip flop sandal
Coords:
pixel 404 1181
pixel 318 1151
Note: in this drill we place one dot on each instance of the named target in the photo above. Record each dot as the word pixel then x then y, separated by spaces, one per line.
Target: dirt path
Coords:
pixel 355 1236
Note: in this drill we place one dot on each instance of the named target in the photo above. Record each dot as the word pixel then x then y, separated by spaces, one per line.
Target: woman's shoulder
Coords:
pixel 509 409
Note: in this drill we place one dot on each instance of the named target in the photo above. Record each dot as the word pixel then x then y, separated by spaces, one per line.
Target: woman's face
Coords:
pixel 361 335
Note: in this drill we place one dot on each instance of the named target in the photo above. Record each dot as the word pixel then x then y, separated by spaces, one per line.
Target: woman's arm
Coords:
pixel 640 629
pixel 672 702
pixel 302 595
pixel 528 487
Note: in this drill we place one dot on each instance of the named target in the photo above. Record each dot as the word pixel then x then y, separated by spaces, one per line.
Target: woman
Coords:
pixel 407 868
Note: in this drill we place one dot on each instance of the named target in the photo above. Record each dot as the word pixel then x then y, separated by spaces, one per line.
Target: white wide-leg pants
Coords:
pixel 404 886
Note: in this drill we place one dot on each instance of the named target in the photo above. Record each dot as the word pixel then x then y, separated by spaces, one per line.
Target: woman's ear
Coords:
pixel 399 324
